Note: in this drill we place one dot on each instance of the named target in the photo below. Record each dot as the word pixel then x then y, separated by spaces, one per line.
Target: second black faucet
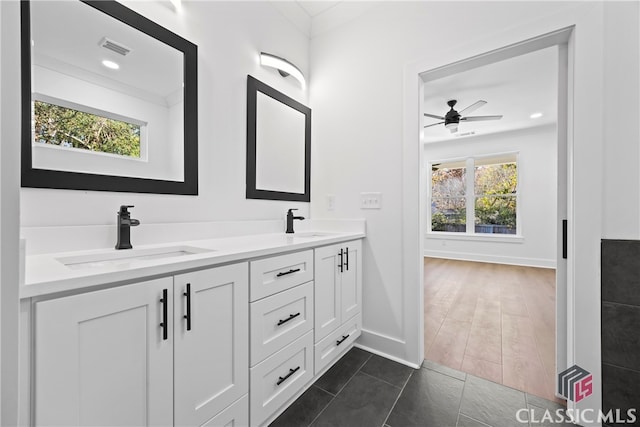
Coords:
pixel 290 219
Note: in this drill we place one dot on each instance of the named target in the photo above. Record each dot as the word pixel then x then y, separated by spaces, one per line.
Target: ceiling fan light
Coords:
pixel 453 127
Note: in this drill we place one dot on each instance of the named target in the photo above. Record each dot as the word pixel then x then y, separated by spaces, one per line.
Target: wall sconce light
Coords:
pixel 175 5
pixel 284 67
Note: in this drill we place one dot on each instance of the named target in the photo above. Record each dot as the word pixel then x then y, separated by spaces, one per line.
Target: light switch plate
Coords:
pixel 331 202
pixel 370 200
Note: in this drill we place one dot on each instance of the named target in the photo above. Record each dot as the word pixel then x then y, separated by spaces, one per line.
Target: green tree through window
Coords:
pixel 491 201
pixel 67 127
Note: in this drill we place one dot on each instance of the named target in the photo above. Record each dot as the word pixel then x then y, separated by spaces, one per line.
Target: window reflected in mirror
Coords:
pixel 112 98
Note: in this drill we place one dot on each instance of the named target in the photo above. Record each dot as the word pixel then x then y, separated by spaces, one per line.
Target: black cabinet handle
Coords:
pixel 564 239
pixel 283 379
pixel 288 272
pixel 341 265
pixel 188 315
pixel 344 337
pixel 292 316
pixel 164 325
pixel 347 258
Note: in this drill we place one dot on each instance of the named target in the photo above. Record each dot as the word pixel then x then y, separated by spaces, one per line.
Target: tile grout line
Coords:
pixel 526 405
pixel 342 388
pixel 326 391
pixel 464 387
pixel 380 379
pixel 398 398
pixel 323 409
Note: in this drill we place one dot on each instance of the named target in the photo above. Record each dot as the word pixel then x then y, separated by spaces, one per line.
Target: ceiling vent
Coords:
pixel 115 46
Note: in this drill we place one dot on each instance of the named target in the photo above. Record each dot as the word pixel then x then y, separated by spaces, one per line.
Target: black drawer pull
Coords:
pixel 341 265
pixel 283 379
pixel 344 337
pixel 288 272
pixel 164 325
pixel 188 315
pixel 346 264
pixel 291 316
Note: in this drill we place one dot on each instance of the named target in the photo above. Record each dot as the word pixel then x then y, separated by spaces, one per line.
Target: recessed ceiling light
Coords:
pixel 110 64
pixel 536 115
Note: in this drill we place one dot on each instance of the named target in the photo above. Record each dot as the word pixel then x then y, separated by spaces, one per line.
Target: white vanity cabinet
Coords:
pixel 163 352
pixel 338 299
pixel 101 359
pixel 198 345
pixel 211 347
pixel 281 331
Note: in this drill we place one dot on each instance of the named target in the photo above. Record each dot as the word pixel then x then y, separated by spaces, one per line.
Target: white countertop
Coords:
pixel 45 274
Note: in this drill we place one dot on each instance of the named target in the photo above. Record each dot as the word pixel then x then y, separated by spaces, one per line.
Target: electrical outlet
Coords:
pixel 370 200
pixel 331 202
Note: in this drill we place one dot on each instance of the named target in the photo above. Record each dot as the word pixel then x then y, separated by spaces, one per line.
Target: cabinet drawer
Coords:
pixel 236 414
pixel 280 319
pixel 275 274
pixel 280 377
pixel 330 347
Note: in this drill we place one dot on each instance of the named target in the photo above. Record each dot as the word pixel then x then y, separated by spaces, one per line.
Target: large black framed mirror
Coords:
pixel 109 100
pixel 278 145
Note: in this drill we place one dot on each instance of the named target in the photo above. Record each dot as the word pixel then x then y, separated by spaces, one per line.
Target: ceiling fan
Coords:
pixel 453 118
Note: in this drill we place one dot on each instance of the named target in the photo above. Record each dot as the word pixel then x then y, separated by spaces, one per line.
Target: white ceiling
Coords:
pixel 315 17
pixel 315 7
pixel 66 36
pixel 515 88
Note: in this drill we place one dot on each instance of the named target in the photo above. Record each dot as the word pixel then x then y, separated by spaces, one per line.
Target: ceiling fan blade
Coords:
pixel 439 123
pixel 479 118
pixel 473 107
pixel 433 116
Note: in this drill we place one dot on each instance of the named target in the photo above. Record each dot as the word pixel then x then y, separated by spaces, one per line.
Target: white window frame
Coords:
pixel 470 199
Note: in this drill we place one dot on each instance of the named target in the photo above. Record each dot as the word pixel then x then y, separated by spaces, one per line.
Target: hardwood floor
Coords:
pixel 493 321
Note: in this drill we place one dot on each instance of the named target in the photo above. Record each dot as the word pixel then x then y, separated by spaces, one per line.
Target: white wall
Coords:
pixel 537 157
pixel 365 96
pixel 621 204
pixel 229 35
pixel 9 214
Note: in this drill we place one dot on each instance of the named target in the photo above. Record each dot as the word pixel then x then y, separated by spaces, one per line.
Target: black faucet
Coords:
pixel 125 222
pixel 290 219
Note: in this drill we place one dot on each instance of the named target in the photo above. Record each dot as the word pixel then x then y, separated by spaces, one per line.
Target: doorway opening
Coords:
pixel 495 193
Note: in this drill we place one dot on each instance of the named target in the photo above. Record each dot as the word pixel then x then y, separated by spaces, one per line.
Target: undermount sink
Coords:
pixel 312 234
pixel 127 257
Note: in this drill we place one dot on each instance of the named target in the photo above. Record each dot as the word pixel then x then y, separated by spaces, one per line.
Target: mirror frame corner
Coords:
pixel 57 179
pixel 253 87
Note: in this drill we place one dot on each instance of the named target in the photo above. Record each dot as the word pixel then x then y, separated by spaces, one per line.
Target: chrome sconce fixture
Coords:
pixel 284 67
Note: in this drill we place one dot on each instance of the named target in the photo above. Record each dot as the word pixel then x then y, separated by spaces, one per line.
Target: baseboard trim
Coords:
pixel 493 259
pixel 385 346
pixel 386 356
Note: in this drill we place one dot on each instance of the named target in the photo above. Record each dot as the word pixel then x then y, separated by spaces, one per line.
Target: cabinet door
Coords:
pixel 351 278
pixel 212 347
pixel 100 358
pixel 236 415
pixel 327 293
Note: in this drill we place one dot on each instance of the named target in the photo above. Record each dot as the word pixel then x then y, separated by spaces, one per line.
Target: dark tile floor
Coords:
pixel 363 389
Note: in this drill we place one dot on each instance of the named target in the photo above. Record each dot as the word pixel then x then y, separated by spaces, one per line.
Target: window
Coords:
pixel 481 191
pixel 448 197
pixel 71 128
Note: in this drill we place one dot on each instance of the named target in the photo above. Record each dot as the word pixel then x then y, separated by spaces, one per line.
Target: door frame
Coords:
pixel 414 179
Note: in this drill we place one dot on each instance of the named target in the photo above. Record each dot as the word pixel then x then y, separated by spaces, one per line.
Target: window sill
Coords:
pixel 443 235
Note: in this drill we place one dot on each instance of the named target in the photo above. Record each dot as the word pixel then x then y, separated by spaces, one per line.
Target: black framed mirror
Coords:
pixel 109 100
pixel 278 145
